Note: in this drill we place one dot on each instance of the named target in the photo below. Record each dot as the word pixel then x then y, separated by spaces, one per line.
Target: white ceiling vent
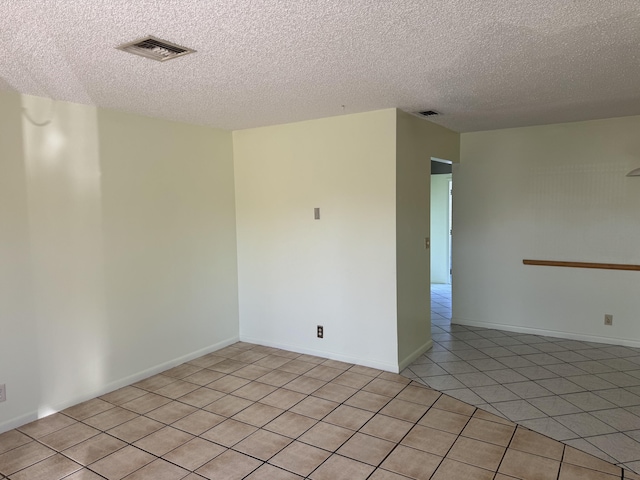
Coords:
pixel 155 48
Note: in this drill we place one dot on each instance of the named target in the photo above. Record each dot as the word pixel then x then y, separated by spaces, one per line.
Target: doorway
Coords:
pixel 441 230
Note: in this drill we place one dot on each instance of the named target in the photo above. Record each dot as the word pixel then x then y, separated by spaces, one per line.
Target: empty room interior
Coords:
pixel 218 255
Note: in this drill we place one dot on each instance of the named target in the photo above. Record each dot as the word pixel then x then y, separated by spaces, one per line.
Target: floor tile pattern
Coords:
pixel 254 412
pixel 584 394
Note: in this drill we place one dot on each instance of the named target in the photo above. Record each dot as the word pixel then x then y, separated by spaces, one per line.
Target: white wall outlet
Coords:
pixel 608 319
pixel 3 392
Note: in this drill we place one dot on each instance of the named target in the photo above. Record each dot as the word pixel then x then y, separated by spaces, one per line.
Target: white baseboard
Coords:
pixel 388 367
pixel 547 333
pixel 123 382
pixel 415 354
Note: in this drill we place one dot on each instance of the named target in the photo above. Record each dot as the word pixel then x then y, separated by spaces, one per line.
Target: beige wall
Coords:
pixel 117 247
pixel 554 192
pixel 417 142
pixel 296 272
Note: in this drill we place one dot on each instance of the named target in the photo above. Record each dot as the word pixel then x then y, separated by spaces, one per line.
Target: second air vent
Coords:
pixel 155 48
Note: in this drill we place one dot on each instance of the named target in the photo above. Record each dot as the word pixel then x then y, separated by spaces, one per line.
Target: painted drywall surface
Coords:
pixel 440 228
pixel 169 238
pixel 120 246
pixel 556 192
pixel 417 142
pixel 18 355
pixel 296 272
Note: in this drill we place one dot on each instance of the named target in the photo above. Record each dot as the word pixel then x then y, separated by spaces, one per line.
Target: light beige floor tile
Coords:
pixel 429 440
pixel 366 449
pixel 163 441
pixel 135 429
pixel 158 470
pixel 12 439
pixel 125 394
pixel 87 409
pixel 229 466
pixel 255 391
pixel 110 419
pixel 306 385
pixel 580 458
pixel 368 401
pixel 444 420
pixel 23 457
pixel 198 422
pixel 171 412
pixel 52 468
pixel 177 389
pixel 153 383
pixel 411 463
pixel 445 402
pixel 290 424
pixel 533 442
pixel 300 458
pixel 314 407
pixel 228 406
pixel 121 463
pixel 195 453
pixel 334 392
pixel 476 453
pixel 387 428
pixel 146 403
pixel 326 436
pixel 452 469
pixel 324 373
pixel 283 398
pixel 269 472
pixel 201 397
pixel 352 379
pixel 47 425
pixel 228 384
pixel 348 417
pixel 278 378
pixel 486 431
pixel 94 449
pixel 203 377
pixel 421 395
pixel 250 372
pixel 383 387
pixel 526 465
pixel 341 468
pixel 404 410
pixel 229 432
pixel 258 414
pixel 262 444
pixel 69 436
pixel 574 472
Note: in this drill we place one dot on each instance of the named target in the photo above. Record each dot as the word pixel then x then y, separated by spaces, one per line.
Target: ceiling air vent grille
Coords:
pixel 428 113
pixel 155 48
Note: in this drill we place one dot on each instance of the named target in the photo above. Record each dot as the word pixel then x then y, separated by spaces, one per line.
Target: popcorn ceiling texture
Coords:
pixel 483 64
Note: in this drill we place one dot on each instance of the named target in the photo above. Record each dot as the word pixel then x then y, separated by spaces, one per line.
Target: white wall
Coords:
pixel 555 192
pixel 117 242
pixel 417 142
pixel 440 228
pixel 340 272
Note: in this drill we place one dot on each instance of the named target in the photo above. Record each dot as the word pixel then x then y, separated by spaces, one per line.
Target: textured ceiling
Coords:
pixel 484 64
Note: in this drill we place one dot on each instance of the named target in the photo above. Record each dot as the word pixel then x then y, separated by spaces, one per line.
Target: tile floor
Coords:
pixel 253 412
pixel 585 394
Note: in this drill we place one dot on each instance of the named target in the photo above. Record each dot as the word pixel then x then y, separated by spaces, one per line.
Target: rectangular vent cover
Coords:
pixel 155 48
pixel 428 113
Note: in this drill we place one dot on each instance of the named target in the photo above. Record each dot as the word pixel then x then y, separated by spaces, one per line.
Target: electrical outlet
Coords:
pixel 608 319
pixel 320 331
pixel 3 392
